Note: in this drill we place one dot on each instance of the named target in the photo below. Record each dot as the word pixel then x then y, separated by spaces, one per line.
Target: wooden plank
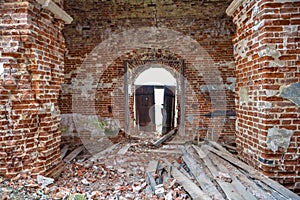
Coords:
pixel 124 149
pixel 150 180
pixel 197 171
pixel 229 147
pixel 64 151
pixel 182 170
pixel 273 193
pixel 194 191
pixel 164 138
pixel 227 188
pixel 255 174
pixel 162 151
pixel 248 183
pixel 73 154
pixel 218 146
pixel 104 152
pixel 236 184
pixel 152 167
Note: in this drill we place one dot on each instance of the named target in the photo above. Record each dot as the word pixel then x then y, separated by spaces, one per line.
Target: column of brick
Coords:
pixel 32 54
pixel 267 45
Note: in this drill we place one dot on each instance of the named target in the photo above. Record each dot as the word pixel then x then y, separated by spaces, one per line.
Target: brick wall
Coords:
pixel 267 58
pixel 194 21
pixel 31 64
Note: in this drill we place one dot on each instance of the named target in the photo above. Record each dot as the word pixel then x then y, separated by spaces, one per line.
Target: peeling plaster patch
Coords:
pixel 291 92
pixel 290 29
pixel 278 138
pixel 208 88
pixel 255 10
pixel 266 105
pixel 87 85
pixel 271 50
pixel 258 25
pixel 243 95
pixel 228 64
pixel 242 48
pixel 10 46
pixel 190 119
pixel 271 93
pixel 237 128
pixel 1 69
pixel 231 80
pixel 91 123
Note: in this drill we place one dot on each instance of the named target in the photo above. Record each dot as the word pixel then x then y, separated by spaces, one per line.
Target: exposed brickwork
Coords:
pixel 32 57
pixel 267 45
pixel 204 22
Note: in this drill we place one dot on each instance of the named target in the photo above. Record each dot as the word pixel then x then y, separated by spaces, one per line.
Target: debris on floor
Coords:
pixel 140 170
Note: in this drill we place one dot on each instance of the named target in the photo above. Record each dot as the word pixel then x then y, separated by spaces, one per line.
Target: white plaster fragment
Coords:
pixel 278 138
pixel 242 48
pixel 258 25
pixel 243 96
pixel 271 93
pixel 255 10
pixel 1 69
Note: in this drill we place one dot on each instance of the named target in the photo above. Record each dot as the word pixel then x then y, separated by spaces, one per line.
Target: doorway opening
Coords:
pixel 155 101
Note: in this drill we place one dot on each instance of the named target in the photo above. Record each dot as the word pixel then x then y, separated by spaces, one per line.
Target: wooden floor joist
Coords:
pixel 205 183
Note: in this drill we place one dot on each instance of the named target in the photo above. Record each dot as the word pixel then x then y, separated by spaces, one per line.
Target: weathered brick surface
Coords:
pixel 203 22
pixel 267 45
pixel 31 63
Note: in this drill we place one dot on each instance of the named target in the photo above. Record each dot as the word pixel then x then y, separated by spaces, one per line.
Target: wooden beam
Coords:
pixel 227 188
pixel 199 174
pixel 104 152
pixel 194 191
pixel 164 138
pixel 236 184
pixel 73 154
pixel 124 149
pixel 64 151
pixel 255 174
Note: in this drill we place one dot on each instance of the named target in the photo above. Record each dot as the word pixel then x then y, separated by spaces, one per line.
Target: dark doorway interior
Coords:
pixel 145 108
pixel 145 115
pixel 168 108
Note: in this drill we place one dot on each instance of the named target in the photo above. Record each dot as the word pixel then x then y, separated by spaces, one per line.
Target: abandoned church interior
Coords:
pixel 89 73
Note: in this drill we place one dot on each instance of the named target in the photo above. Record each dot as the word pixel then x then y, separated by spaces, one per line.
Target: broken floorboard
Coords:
pixel 164 138
pixel 254 174
pixel 73 154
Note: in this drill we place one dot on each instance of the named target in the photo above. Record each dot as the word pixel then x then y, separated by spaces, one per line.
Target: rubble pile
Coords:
pixel 137 170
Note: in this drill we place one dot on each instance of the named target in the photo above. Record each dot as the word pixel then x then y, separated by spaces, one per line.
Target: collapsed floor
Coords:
pixel 134 168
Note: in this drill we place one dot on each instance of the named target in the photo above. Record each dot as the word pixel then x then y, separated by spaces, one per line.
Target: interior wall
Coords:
pixel 204 22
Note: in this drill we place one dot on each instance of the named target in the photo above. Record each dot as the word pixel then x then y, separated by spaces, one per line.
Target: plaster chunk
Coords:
pixel 271 93
pixel 209 88
pixel 243 95
pixel 291 92
pixel 190 119
pixel 278 138
pixel 271 50
pixel 242 48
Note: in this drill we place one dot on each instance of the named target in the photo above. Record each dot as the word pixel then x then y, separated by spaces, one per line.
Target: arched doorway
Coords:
pixel 155 100
pixel 171 89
